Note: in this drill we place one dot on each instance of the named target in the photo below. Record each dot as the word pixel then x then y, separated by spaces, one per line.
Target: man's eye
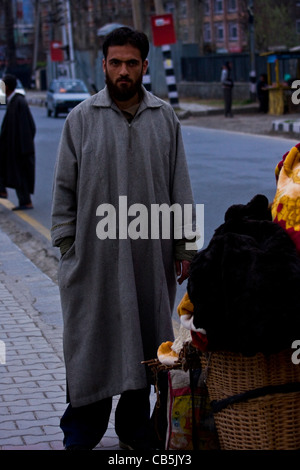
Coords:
pixel 132 63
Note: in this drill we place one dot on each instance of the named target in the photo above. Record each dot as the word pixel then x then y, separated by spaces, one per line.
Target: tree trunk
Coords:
pixel 10 39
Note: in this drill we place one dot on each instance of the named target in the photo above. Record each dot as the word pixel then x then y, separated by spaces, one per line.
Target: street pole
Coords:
pixel 36 37
pixel 159 8
pixel 70 40
pixel 137 16
pixel 137 21
pixel 252 51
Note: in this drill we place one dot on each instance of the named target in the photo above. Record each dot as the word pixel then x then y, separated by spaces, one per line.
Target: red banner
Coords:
pixel 163 31
pixel 57 54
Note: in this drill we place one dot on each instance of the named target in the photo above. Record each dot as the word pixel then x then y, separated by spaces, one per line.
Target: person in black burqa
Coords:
pixel 17 152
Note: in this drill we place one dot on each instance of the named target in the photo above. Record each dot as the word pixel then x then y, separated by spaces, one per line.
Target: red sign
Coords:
pixel 163 31
pixel 57 54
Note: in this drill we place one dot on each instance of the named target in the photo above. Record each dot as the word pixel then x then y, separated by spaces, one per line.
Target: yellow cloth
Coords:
pixel 185 306
pixel 286 204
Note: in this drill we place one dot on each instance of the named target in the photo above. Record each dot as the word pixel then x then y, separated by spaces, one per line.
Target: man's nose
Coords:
pixel 123 70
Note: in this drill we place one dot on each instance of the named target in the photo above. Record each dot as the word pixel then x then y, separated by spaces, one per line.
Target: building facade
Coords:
pixel 224 26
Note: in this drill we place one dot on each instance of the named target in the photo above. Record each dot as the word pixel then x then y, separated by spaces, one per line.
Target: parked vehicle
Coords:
pixel 64 94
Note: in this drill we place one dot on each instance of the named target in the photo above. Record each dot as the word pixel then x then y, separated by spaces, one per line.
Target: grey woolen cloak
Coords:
pixel 117 295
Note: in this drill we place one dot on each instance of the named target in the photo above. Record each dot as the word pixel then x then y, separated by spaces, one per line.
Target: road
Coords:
pixel 226 168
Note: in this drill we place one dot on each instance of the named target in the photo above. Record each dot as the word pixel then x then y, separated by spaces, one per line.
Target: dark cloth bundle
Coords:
pixel 245 285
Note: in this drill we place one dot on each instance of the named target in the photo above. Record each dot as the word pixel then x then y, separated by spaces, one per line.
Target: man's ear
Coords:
pixel 145 66
pixel 103 65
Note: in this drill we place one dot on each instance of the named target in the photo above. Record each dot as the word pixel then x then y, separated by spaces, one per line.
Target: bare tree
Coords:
pixel 274 24
pixel 11 56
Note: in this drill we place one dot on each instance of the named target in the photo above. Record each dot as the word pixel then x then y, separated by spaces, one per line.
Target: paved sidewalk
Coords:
pixel 32 374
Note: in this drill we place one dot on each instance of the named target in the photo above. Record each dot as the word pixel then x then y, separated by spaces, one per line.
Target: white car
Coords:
pixel 19 89
pixel 64 94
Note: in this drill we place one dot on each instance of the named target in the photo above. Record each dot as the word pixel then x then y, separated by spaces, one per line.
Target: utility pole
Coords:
pixel 252 51
pixel 37 34
pixel 70 40
pixel 137 15
pixel 63 18
pixel 159 8
pixel 138 24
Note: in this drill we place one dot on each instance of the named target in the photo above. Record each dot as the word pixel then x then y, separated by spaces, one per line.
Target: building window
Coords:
pixel 218 6
pixel 207 7
pixel 185 35
pixel 219 32
pixel 183 9
pixel 233 31
pixel 207 32
pixel 232 5
pixel 170 8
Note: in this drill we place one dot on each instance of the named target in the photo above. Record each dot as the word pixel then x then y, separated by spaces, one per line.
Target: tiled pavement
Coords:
pixel 32 375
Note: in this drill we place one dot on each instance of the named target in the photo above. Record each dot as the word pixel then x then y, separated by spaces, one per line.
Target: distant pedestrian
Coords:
pixel 263 93
pixel 17 152
pixel 227 84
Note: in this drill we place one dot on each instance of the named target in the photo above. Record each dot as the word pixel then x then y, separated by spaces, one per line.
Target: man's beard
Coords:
pixel 124 93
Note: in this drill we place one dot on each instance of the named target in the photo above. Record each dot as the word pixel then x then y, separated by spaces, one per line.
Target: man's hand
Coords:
pixel 182 270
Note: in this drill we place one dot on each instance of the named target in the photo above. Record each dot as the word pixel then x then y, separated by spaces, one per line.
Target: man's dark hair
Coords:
pixel 10 81
pixel 124 35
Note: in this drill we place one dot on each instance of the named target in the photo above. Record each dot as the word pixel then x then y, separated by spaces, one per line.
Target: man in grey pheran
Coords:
pixel 117 293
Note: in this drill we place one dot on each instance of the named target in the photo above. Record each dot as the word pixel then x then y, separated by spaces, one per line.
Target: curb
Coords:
pixel 186 113
pixel 286 125
pixel 36 101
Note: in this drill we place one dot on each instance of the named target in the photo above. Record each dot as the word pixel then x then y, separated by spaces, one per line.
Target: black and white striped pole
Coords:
pixel 163 34
pixel 170 75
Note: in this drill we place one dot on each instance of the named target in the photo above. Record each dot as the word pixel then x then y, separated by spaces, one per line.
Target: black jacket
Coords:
pixel 245 285
pixel 17 153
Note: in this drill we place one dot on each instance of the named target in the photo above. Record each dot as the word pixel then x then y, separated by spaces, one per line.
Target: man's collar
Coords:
pixel 103 100
pixel 9 98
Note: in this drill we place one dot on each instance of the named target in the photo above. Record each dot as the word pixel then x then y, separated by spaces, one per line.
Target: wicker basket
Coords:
pixel 271 421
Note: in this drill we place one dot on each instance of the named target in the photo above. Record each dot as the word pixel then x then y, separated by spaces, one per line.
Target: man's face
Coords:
pixel 124 70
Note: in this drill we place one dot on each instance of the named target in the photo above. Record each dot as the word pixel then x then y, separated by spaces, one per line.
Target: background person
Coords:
pixel 263 93
pixel 227 85
pixel 17 152
pixel 117 293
